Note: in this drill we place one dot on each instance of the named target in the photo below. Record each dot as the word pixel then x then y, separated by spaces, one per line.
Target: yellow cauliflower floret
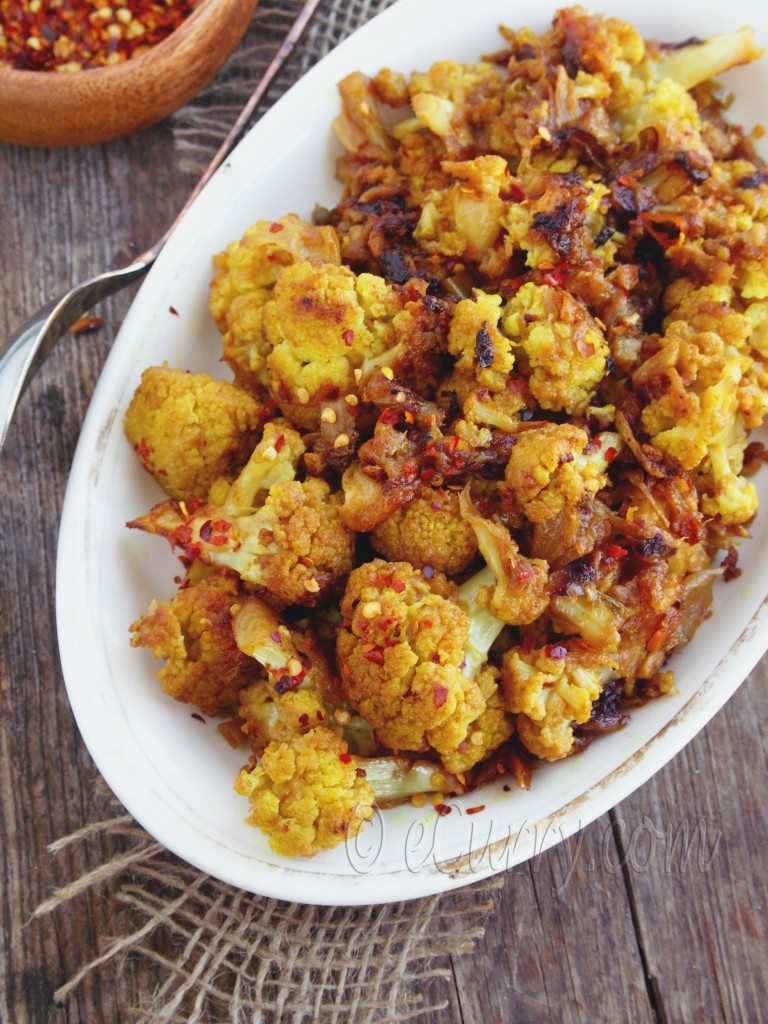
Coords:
pixel 428 531
pixel 252 265
pixel 549 694
pixel 442 96
pixel 401 651
pixel 671 111
pixel 192 634
pixel 564 345
pixel 553 467
pixel 487 733
pixel 189 429
pixel 323 323
pixel 273 531
pixel 696 382
pixel 723 492
pixel 483 354
pixel 306 795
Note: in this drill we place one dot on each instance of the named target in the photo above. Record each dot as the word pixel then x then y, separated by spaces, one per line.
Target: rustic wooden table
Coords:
pixel 656 912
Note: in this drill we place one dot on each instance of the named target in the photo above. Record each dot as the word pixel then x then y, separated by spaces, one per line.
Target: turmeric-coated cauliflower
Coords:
pixel 564 345
pixel 193 635
pixel 400 653
pixel 550 691
pixel 306 794
pixel 300 690
pixel 249 267
pixel 275 532
pixel 189 429
pixel 428 531
pixel 554 466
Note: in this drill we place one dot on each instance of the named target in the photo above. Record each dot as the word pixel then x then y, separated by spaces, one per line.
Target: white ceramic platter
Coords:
pixel 174 773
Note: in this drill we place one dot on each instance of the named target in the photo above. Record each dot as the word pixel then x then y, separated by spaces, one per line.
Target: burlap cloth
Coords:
pixel 222 954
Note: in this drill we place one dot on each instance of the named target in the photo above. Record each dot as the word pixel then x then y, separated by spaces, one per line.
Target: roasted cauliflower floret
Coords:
pixel 483 353
pixel 275 532
pixel 428 531
pixel 564 346
pixel 189 429
pixel 326 330
pixel 550 692
pixel 514 587
pixel 310 793
pixel 400 656
pixel 300 690
pixel 490 729
pixel 192 634
pixel 554 467
pixel 563 343
pixel 249 268
pixel 306 794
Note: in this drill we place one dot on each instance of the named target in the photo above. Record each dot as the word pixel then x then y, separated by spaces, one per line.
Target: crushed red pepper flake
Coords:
pixel 82 34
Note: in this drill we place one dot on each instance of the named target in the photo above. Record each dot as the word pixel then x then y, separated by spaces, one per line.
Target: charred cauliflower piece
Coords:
pixel 565 347
pixel 248 269
pixel 326 329
pixel 550 691
pixel 192 634
pixel 189 429
pixel 428 531
pixel 555 466
pixel 275 532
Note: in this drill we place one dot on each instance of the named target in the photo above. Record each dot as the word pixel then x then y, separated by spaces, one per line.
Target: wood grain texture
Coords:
pixel 602 930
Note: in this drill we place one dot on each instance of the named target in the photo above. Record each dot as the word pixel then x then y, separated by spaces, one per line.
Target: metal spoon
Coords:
pixel 26 350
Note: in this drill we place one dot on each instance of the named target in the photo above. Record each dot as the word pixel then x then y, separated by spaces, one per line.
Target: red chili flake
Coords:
pixel 506 788
pixel 173 311
pixel 427 475
pixel 515 193
pixel 144 450
pixel 442 809
pixel 556 651
pixel 304 720
pixel 398 586
pixel 610 454
pixel 183 534
pixel 276 226
pixel 219 541
pixel 410 472
pixel 78 34
pixel 280 443
pixel 361 773
pixel 376 656
pixel 614 551
pixel 476 810
pixel 349 337
pixel 206 531
pixel 436 659
pixel 345 758
pixel 197 718
pixel 441 692
pixel 221 525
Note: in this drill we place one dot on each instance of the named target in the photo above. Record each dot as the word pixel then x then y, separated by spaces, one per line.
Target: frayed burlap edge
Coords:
pixel 226 955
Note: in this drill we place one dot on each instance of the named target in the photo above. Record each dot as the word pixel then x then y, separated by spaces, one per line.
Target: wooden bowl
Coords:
pixel 48 108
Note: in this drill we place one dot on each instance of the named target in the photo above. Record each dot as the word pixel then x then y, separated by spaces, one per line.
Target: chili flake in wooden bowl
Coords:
pixel 118 65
